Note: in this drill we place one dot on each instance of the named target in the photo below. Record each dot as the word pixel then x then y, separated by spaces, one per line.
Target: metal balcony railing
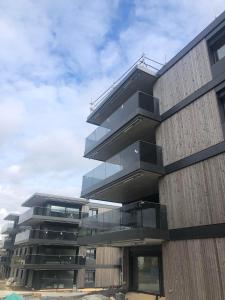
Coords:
pixel 152 65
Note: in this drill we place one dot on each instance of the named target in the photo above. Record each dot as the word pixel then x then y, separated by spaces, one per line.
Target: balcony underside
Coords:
pixel 138 79
pixel 130 237
pixel 37 219
pixel 138 184
pixel 47 242
pixel 139 127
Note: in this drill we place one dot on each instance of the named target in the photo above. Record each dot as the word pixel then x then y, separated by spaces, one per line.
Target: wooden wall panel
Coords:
pixel 185 77
pixel 195 195
pixel 194 128
pixel 192 269
pixel 107 277
pixel 80 278
pixel 108 256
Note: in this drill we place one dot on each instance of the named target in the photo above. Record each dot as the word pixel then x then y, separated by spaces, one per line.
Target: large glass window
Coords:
pixel 91 254
pixel 89 277
pixel 93 212
pixel 217 46
pixel 148 274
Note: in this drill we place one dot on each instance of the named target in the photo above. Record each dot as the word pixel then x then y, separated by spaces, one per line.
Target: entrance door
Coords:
pixel 148 274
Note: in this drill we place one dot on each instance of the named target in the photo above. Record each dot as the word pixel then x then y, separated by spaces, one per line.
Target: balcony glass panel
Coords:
pixel 45 234
pixel 52 211
pixel 120 117
pixel 123 162
pixel 49 259
pixel 140 214
pixel 8 227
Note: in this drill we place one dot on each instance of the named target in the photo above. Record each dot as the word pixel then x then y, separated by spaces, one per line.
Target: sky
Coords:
pixel 56 56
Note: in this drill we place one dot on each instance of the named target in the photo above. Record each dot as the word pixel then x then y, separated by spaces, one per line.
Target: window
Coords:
pixel 148 274
pixel 89 277
pixel 21 274
pixel 91 254
pixel 221 102
pixel 217 46
pixel 93 212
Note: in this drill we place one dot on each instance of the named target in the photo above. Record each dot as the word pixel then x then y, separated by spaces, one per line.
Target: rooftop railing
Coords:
pixel 143 61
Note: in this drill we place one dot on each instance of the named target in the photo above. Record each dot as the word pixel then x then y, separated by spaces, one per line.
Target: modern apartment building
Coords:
pixel 160 138
pixel 47 254
pixel 9 231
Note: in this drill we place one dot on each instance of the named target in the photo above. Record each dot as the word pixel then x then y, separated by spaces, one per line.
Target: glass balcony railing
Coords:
pixel 8 244
pixel 7 228
pixel 123 163
pixel 48 259
pixel 30 234
pixel 48 211
pixel 121 116
pixel 141 214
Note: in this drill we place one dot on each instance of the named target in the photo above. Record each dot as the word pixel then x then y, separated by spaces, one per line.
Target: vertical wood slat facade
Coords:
pixel 195 195
pixel 194 128
pixel 185 77
pixel 194 269
pixel 104 277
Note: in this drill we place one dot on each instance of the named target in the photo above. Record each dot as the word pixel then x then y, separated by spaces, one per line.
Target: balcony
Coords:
pixel 42 261
pixel 140 77
pixel 129 175
pixel 135 119
pixel 139 223
pixel 46 237
pixel 7 228
pixel 8 244
pixel 38 214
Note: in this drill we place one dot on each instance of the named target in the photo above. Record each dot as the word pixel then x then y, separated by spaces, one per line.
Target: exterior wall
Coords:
pixel 195 195
pixel 185 77
pixel 107 277
pixel 194 269
pixel 108 256
pixel 194 128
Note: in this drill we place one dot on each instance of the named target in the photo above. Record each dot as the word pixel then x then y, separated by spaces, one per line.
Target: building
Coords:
pixel 47 254
pixel 160 137
pixel 9 231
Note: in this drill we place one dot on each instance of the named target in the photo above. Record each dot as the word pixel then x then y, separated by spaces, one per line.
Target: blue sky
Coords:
pixel 57 55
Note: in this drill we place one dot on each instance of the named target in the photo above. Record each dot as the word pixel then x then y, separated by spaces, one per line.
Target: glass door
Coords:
pixel 148 274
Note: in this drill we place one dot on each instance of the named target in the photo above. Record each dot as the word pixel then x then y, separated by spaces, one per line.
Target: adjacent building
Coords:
pixel 160 137
pixel 46 253
pixel 9 231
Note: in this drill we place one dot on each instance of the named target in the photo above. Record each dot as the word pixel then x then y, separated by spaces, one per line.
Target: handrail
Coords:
pixel 140 61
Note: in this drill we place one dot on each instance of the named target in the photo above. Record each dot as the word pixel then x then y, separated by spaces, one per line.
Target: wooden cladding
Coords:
pixel 195 195
pixel 194 269
pixel 194 128
pixel 108 256
pixel 185 77
pixel 107 277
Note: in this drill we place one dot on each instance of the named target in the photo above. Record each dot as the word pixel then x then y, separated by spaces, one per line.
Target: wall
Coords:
pixel 185 77
pixel 194 269
pixel 107 277
pixel 108 256
pixel 195 195
pixel 194 128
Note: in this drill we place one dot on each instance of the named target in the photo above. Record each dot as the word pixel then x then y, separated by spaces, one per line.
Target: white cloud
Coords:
pixel 55 57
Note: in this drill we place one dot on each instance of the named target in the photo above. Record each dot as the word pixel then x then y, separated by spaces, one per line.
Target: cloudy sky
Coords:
pixel 58 55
